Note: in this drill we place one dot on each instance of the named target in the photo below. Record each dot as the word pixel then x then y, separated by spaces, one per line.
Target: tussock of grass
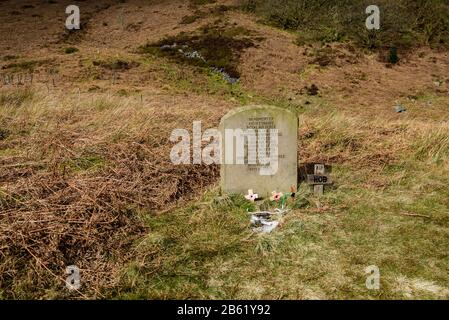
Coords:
pixel 15 98
pixel 201 2
pixel 70 50
pixel 84 168
pixel 203 81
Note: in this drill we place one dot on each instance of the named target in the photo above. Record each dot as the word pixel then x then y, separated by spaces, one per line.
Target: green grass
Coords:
pixel 181 244
pixel 404 24
pixel 388 207
pixel 4 133
pixel 394 216
pixel 15 98
pixel 433 145
pixel 70 50
pixel 84 163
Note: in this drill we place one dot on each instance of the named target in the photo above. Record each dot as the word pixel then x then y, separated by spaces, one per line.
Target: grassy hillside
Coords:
pixel 405 23
pixel 86 177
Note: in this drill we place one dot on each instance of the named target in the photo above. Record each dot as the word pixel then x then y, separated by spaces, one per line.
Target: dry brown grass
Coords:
pixel 74 176
pixel 86 179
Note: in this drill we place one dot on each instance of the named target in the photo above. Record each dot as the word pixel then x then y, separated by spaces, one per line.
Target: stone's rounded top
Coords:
pixel 249 108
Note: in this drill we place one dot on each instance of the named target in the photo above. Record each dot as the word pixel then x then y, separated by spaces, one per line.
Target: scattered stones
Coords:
pixel 263 224
pixel 400 109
